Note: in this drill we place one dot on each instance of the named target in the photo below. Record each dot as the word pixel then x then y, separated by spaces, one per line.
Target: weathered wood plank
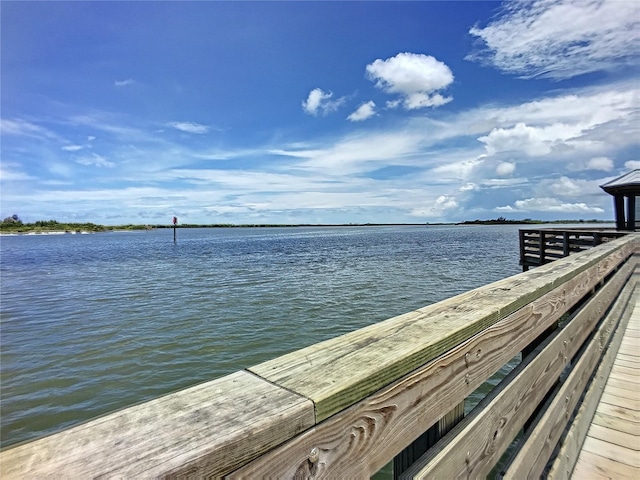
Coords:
pixel 570 449
pixel 617 437
pixel 205 430
pixel 486 433
pixel 628 360
pixel 545 245
pixel 622 413
pixel 627 363
pixel 609 421
pixel 597 467
pixel 623 392
pixel 374 430
pixel 631 372
pixel 535 450
pixel 620 385
pixel 339 372
pixel 624 402
pixel 629 379
pixel 611 451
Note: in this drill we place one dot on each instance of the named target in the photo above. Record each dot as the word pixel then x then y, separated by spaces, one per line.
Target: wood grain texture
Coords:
pixel 615 436
pixel 360 440
pixel 570 450
pixel 626 402
pixel 609 443
pixel 613 452
pixel 535 450
pixel 619 384
pixel 205 430
pixel 598 467
pixel 624 414
pixel 609 421
pixel 623 392
pixel 350 367
pixel 627 363
pixel 486 433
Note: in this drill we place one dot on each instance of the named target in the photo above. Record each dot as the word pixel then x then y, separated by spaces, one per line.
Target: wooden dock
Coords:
pixel 345 407
pixel 539 246
pixel 611 448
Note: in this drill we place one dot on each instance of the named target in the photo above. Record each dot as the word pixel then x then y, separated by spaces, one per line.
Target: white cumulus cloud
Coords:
pixel 600 163
pixel 560 38
pixel 319 102
pixel 564 186
pixel 547 204
pixel 505 168
pixel 438 208
pixel 534 141
pixel 604 164
pixel 364 111
pixel 417 78
pixel 632 164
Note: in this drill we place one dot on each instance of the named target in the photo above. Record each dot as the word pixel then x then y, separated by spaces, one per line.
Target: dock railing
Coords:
pixel 539 246
pixel 345 407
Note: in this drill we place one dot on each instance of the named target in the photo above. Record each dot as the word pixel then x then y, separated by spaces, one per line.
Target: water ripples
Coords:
pixel 93 323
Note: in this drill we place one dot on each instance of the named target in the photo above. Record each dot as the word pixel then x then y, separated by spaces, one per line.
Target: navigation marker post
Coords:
pixel 175 224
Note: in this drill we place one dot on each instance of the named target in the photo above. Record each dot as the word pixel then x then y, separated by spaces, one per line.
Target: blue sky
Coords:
pixel 316 112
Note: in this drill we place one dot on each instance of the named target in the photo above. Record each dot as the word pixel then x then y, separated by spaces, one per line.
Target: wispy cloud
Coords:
pixel 12 173
pixel 72 148
pixel 560 39
pixel 95 160
pixel 453 172
pixel 123 83
pixel 190 127
pixel 19 127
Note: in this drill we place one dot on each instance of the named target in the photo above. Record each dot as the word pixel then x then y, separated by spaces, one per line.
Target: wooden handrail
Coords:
pixel 485 434
pixel 544 245
pixel 341 408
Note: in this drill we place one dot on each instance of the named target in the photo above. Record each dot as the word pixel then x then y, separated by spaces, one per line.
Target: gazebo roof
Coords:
pixel 629 183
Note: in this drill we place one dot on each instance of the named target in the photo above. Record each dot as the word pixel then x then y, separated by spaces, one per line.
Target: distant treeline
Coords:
pixel 13 224
pixel 526 221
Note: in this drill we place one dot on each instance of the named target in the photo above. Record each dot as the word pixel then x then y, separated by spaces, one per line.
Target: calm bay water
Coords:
pixel 93 323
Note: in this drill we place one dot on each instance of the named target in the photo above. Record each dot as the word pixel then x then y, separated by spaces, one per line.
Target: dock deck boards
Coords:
pixel 612 446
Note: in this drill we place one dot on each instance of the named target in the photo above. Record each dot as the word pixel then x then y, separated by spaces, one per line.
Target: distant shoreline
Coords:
pixel 85 229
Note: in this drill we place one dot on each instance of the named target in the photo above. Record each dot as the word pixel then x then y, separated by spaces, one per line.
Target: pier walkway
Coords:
pixel 612 445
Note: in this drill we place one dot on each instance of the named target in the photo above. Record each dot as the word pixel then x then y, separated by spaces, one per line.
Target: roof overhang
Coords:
pixel 627 184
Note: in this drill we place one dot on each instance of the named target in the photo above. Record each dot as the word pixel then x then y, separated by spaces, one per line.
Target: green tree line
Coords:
pixel 13 224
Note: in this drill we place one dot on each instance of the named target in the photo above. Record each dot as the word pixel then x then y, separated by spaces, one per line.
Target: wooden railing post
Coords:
pixel 566 250
pixel 523 259
pixel 631 213
pixel 428 439
pixel 597 239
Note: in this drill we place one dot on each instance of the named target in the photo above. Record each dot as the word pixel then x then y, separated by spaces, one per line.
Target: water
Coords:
pixel 93 323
